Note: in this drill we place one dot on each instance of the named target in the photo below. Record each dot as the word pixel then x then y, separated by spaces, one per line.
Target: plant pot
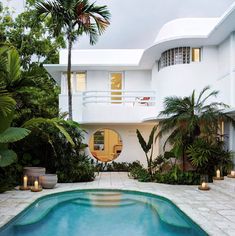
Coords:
pixel 49 181
pixel 34 173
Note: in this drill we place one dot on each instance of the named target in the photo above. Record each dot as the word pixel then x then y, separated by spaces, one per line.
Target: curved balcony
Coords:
pixel 117 106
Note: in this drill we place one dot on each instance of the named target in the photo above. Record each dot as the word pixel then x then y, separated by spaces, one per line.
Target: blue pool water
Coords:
pixel 101 213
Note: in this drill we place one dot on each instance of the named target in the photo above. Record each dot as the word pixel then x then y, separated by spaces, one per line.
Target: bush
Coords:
pixel 76 169
pixel 114 166
pixel 177 176
pixel 52 150
pixel 137 171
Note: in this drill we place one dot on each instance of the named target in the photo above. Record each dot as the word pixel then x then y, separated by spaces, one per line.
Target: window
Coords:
pixel 116 81
pixel 99 140
pixel 196 54
pixel 80 81
pixel 180 55
pixel 105 145
pixel 174 56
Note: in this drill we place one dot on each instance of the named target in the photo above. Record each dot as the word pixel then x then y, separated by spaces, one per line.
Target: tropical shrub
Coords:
pixel 177 176
pixel 75 168
pixel 148 148
pixel 207 156
pixel 189 118
pixel 58 145
pixel 113 166
pixel 140 173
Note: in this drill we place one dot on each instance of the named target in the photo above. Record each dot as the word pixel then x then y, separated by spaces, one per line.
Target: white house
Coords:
pixel 122 90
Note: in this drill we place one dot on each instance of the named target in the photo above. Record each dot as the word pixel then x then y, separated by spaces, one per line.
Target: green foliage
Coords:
pixel 56 122
pixel 140 173
pixel 33 41
pixel 147 147
pixel 7 103
pixel 187 118
pixel 75 169
pixel 113 166
pixel 206 156
pixel 13 134
pixel 7 157
pixel 73 18
pixel 177 176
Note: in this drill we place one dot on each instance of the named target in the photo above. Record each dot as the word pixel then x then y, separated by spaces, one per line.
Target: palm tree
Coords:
pixel 74 18
pixel 186 118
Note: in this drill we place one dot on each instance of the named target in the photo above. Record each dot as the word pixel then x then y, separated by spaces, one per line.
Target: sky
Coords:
pixel 135 23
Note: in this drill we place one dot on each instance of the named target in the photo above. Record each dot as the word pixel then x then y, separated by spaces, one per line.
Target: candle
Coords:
pixel 218 173
pixel 233 173
pixel 36 184
pixel 25 181
pixel 204 185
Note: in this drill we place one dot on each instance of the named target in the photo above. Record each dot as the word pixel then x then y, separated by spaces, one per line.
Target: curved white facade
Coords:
pixel 144 85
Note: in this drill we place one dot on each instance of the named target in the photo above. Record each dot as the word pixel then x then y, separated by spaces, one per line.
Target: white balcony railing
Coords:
pixel 119 97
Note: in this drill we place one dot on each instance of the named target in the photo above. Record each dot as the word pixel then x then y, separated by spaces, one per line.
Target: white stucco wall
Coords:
pixel 182 79
pixel 132 150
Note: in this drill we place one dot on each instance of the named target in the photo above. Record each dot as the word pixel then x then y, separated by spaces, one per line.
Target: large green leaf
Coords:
pixel 142 141
pixel 7 104
pixel 13 66
pixel 13 134
pixel 151 137
pixel 7 157
pixel 35 122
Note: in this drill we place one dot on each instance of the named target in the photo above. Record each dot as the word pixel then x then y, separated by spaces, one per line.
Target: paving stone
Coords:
pixel 213 210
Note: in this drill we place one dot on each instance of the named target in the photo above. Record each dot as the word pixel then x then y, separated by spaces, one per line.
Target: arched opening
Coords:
pixel 105 145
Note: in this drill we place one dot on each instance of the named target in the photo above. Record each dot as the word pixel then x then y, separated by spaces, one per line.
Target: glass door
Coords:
pixel 116 83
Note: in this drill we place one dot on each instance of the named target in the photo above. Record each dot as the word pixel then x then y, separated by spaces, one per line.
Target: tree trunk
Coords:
pixel 70 105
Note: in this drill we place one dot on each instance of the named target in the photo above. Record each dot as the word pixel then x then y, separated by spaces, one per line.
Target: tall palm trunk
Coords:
pixel 70 104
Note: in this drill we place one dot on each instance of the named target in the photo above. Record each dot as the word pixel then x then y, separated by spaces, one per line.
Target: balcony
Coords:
pixel 117 106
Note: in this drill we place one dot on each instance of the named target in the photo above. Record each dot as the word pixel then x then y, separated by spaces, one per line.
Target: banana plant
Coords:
pixel 9 72
pixel 10 135
pixel 148 147
pixel 56 122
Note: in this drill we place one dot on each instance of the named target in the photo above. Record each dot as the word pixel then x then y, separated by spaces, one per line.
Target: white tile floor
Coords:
pixel 213 210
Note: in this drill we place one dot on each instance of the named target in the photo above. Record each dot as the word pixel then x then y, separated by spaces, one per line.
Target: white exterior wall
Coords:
pixel 182 79
pixel 216 69
pixel 131 150
pixel 139 80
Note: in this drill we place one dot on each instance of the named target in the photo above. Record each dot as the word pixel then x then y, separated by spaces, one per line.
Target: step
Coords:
pixel 174 219
pixel 104 204
pixel 101 194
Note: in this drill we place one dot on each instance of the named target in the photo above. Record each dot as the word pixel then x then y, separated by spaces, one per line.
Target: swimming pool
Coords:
pixel 101 213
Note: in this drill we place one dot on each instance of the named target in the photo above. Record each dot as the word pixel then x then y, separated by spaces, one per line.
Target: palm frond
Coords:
pixel 7 104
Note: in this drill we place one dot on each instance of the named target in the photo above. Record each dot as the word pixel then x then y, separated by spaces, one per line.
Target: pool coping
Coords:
pixel 144 193
pixel 211 230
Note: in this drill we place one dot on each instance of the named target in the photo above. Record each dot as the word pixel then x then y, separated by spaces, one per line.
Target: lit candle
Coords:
pixel 25 181
pixel 233 173
pixel 36 184
pixel 218 173
pixel 204 185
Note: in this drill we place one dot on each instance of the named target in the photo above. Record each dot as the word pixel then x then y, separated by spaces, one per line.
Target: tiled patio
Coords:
pixel 213 210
